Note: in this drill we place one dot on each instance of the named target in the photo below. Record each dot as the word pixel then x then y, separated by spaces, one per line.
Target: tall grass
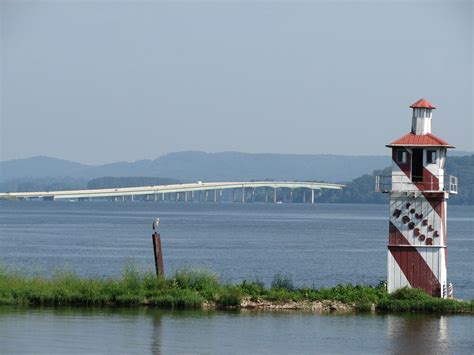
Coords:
pixel 66 288
pixel 415 300
pixel 190 288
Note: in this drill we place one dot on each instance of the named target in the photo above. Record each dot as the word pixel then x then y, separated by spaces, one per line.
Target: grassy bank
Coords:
pixel 197 289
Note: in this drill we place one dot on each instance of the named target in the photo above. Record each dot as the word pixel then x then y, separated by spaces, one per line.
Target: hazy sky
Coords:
pixel 101 81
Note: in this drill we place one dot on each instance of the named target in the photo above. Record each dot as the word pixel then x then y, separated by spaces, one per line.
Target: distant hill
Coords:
pixel 192 166
pixel 458 153
pixel 39 167
pixel 117 182
pixel 358 190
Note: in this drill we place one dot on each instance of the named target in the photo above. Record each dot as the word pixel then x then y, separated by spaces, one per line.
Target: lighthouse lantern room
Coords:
pixel 418 189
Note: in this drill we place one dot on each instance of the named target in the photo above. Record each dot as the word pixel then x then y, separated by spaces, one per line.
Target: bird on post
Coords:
pixel 156 222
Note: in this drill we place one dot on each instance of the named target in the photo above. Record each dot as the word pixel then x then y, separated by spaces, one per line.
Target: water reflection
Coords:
pixel 43 330
pixel 155 347
pixel 418 334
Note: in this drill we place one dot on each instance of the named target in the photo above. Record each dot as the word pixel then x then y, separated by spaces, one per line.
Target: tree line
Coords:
pixel 362 189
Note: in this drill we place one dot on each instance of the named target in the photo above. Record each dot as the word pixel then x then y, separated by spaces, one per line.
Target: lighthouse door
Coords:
pixel 417 165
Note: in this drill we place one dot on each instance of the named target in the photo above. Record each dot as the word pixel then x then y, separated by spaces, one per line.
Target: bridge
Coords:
pixel 198 191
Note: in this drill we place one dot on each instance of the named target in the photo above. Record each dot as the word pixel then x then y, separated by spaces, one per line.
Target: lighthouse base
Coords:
pixel 412 267
pixel 417 243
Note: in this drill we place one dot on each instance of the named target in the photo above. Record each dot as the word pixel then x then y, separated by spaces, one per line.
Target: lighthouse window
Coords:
pixel 401 156
pixel 431 157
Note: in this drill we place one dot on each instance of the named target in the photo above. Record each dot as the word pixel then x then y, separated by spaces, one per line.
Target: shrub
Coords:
pixel 410 294
pixel 282 282
pixel 196 279
pixel 229 296
pixel 131 277
pixel 359 294
pixel 416 300
pixel 253 288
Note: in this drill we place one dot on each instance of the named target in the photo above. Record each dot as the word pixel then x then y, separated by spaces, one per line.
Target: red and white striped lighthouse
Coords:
pixel 419 190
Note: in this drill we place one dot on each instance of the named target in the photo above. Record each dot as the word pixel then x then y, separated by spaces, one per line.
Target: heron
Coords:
pixel 156 222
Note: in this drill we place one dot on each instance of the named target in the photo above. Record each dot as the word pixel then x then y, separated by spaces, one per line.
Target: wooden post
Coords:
pixel 160 271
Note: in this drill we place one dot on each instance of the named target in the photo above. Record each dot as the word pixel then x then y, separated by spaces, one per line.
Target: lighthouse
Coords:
pixel 418 190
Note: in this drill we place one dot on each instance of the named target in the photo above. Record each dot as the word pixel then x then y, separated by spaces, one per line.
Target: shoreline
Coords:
pixel 311 307
pixel 200 289
pixel 324 306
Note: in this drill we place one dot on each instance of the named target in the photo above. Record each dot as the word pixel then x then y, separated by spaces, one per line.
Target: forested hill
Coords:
pixel 55 184
pixel 194 166
pixel 362 189
pixel 117 182
pixel 358 190
pixel 463 168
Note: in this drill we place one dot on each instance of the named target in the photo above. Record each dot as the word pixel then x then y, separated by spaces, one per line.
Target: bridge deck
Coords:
pixel 176 188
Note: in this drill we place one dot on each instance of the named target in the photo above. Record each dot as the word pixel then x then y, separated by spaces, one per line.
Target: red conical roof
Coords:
pixel 424 140
pixel 422 103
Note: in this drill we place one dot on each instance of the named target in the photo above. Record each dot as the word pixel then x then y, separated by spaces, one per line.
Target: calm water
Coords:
pixel 317 245
pixel 151 331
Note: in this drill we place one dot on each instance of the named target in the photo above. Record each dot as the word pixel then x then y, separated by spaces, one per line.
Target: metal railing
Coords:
pixel 447 183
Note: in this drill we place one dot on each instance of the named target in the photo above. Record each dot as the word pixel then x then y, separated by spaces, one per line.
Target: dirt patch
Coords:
pixel 314 306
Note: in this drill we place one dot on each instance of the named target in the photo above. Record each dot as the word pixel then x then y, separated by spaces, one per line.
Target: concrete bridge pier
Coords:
pixel 312 195
pixel 243 194
pixel 274 195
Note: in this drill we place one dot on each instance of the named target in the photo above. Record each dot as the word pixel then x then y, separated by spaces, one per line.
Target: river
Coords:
pixel 316 245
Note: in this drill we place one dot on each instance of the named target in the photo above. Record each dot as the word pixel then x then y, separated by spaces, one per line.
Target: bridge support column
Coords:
pixel 243 194
pixel 274 195
pixel 304 195
pixel 215 196
pixel 185 196
pixel 291 195
pixel 312 195
pixel 220 195
pixel 266 194
pixel 206 196
pixel 192 196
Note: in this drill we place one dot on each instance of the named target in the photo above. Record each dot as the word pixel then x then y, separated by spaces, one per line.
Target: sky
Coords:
pixel 104 81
